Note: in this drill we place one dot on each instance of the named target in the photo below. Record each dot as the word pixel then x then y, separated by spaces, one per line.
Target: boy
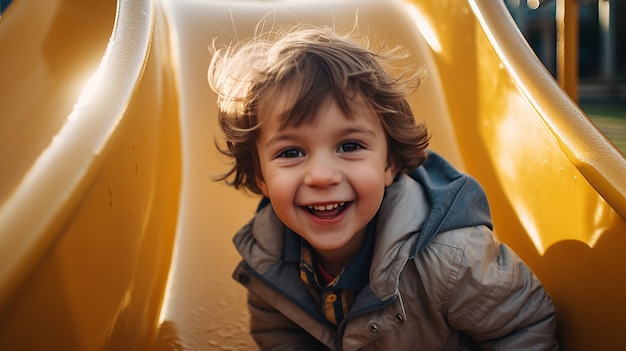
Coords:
pixel 364 239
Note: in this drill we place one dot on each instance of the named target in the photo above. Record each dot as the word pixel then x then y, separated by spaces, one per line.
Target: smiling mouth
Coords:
pixel 328 210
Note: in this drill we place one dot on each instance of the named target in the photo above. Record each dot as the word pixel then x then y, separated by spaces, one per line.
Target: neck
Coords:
pixel 334 261
pixel 333 265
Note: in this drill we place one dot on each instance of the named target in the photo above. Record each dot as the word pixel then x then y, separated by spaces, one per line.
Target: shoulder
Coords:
pixel 441 264
pixel 470 274
pixel 465 264
pixel 459 247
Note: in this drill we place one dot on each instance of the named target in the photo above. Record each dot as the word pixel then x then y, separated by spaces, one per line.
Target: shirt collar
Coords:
pixel 356 274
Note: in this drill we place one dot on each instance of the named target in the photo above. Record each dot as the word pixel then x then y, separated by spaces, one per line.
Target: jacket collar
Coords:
pixel 400 220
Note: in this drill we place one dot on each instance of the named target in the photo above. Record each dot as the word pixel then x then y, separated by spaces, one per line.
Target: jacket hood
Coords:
pixel 457 200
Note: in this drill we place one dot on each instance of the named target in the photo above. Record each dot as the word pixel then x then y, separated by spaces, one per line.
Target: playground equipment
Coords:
pixel 114 236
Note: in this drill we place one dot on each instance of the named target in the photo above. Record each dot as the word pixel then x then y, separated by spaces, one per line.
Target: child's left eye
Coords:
pixel 349 147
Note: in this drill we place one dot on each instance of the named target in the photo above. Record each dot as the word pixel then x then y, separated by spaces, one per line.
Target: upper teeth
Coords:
pixel 326 207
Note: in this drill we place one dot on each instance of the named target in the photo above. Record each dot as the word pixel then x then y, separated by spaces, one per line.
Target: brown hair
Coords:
pixel 324 65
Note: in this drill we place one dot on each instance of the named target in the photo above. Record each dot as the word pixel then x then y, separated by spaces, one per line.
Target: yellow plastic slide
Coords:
pixel 114 236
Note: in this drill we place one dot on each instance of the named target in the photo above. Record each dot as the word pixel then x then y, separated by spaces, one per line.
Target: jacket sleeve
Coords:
pixel 497 300
pixel 271 330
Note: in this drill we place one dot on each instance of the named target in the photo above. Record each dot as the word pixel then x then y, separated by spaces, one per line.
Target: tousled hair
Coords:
pixel 323 65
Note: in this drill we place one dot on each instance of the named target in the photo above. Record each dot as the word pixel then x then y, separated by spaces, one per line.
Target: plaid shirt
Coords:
pixel 334 298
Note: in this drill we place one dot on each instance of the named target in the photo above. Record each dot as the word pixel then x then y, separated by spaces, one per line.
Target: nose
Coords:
pixel 322 171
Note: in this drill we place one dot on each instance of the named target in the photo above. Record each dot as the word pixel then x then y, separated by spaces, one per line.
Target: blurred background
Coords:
pixel 601 55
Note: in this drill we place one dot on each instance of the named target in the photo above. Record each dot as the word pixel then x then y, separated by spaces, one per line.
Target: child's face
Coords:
pixel 325 179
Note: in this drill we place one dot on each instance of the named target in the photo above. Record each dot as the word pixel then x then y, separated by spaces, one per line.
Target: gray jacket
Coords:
pixel 438 280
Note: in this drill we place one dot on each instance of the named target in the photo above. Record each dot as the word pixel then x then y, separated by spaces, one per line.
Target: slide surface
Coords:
pixel 114 235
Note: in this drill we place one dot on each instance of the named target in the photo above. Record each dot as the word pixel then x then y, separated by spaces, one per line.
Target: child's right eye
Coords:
pixel 289 153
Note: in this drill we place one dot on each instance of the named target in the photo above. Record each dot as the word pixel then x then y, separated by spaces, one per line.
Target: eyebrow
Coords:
pixel 346 131
pixel 279 138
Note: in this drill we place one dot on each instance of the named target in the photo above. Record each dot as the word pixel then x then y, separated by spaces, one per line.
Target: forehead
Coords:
pixel 329 124
pixel 291 106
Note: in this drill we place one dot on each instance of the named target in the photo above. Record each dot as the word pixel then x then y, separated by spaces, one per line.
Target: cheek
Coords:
pixel 370 181
pixel 278 185
pixel 282 195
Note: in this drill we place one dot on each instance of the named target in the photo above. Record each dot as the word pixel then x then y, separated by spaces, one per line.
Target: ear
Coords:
pixel 391 171
pixel 260 183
